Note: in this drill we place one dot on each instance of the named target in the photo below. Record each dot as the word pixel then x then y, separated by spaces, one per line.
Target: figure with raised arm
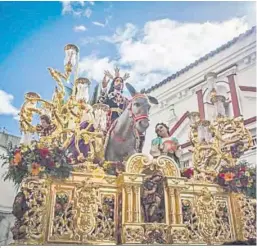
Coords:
pixel 113 95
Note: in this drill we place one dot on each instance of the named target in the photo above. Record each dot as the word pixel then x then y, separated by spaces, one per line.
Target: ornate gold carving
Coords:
pixel 156 234
pixel 63 221
pixel 86 201
pixel 207 219
pixel 179 235
pixel 87 215
pixel 133 177
pixel 245 216
pixel 167 166
pixel 213 144
pixel 105 223
pixel 134 234
pixel 139 162
pixel 33 222
pixel 110 179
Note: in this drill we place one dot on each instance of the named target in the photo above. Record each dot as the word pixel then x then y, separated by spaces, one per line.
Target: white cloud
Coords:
pixel 80 28
pixel 125 34
pixel 82 3
pixel 91 2
pixel 106 22
pixel 88 12
pixel 6 107
pixel 66 7
pixel 93 67
pixel 76 8
pixel 164 46
pixel 99 24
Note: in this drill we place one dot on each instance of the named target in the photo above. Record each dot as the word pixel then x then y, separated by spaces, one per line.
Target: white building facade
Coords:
pixel 187 91
pixel 8 192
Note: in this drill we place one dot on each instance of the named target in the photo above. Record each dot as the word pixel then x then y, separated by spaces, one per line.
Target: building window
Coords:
pixel 185 164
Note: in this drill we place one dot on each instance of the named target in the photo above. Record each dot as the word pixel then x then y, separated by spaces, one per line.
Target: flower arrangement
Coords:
pixel 188 173
pixel 34 160
pixel 239 179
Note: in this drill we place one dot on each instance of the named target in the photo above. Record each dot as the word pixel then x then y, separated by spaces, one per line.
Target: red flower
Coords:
pixel 222 175
pixel 188 172
pixel 43 152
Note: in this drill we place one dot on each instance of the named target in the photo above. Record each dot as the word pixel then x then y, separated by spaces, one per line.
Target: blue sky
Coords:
pixel 108 34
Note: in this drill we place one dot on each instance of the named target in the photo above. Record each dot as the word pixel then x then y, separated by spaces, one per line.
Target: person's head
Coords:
pixel 157 176
pixel 45 121
pixel 117 84
pixel 162 130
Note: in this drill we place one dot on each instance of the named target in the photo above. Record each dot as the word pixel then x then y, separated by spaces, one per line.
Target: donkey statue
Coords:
pixel 123 137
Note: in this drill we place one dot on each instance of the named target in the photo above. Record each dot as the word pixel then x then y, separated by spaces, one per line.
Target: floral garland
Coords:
pixel 33 160
pixel 238 179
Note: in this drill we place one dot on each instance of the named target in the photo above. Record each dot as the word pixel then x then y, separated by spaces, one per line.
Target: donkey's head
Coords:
pixel 139 107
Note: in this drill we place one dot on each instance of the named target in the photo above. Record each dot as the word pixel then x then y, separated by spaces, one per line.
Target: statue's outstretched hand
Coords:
pixel 105 81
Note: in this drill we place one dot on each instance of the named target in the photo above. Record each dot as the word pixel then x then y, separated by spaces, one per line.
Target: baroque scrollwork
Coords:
pixel 63 221
pixel 95 214
pixel 223 222
pixel 190 219
pixel 206 219
pixel 105 223
pixel 219 143
pixel 139 162
pixel 86 201
pixel 247 217
pixel 30 223
pixel 134 235
pixel 156 234
pixel 179 235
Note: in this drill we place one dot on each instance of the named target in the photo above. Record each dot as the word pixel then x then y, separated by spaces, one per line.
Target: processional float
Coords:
pixel 70 194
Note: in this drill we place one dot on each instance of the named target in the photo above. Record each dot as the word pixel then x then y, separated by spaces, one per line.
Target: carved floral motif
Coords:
pixel 207 220
pixel 31 221
pixel 134 234
pixel 156 234
pixel 63 221
pixel 247 217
